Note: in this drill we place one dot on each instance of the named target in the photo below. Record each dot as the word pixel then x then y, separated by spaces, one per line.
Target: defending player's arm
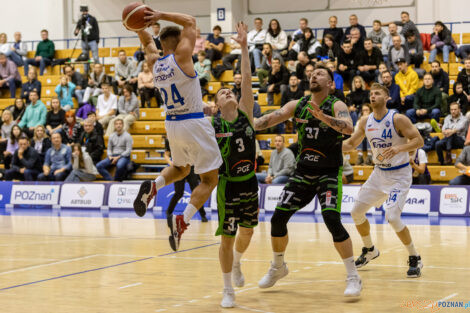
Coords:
pixel 276 117
pixel 357 136
pixel 405 128
pixel 342 122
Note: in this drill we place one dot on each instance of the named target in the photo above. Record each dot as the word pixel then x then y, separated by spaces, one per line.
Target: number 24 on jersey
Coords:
pixel 175 96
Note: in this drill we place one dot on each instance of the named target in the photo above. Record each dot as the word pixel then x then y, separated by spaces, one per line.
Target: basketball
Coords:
pixel 133 16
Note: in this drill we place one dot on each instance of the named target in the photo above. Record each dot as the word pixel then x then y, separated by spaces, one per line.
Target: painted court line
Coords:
pixel 131 285
pixel 443 299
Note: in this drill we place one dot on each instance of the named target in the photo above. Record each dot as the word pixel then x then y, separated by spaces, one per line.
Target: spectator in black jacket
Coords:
pixel 277 80
pixel 441 41
pixel 305 83
pixel 357 97
pixel 293 92
pixel 336 32
pixel 32 84
pixel 26 164
pixel 92 141
pixel 459 97
pixel 347 62
pixel 329 48
pixel 354 23
pixel 394 100
pixel 415 49
pixel 40 142
pixel 97 125
pixel 55 117
pixel 90 31
pixel 441 81
pixel 78 80
pixel 17 109
pixel 301 65
pixel 464 78
pixel 368 61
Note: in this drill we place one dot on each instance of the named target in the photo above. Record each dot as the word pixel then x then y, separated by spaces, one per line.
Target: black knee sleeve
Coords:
pixel 333 223
pixel 279 223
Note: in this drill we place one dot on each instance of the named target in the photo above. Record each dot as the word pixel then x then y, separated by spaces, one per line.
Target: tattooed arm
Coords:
pixel 276 117
pixel 342 122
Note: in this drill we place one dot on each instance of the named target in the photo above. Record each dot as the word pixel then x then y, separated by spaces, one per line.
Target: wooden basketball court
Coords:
pixel 94 264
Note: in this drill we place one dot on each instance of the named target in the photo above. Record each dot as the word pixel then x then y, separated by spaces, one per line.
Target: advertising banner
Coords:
pixel 35 194
pixel 122 196
pixel 453 201
pixel 82 195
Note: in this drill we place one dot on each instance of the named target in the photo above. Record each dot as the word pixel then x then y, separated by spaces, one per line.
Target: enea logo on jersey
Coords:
pixel 184 199
pixel 243 166
pixel 311 155
pixel 380 143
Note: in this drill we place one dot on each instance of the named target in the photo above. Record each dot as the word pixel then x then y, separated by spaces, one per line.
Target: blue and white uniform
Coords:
pixel 191 136
pixel 391 179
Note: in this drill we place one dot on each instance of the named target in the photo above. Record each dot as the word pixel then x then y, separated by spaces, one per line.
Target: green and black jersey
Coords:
pixel 237 144
pixel 320 146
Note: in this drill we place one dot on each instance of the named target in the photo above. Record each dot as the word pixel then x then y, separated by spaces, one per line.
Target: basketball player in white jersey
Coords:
pixel 191 136
pixel 391 137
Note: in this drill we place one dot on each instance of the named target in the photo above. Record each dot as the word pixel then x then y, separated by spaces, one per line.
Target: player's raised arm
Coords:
pixel 276 117
pixel 357 136
pixel 342 122
pixel 404 128
pixel 151 51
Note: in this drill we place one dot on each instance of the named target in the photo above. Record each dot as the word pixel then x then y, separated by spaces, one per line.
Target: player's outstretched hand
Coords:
pixel 152 16
pixel 242 30
pixel 315 109
pixel 390 152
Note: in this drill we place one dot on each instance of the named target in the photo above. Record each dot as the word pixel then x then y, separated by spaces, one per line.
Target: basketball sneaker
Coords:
pixel 146 193
pixel 368 254
pixel 228 298
pixel 416 265
pixel 177 228
pixel 273 275
pixel 353 286
pixel 237 275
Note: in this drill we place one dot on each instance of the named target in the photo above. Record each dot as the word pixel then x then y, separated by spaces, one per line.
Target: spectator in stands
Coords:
pixel 214 44
pixel 276 37
pixel 382 68
pixel 441 41
pixel 99 128
pixel 335 32
pixel 19 47
pixel 237 85
pixel 91 140
pixel 90 33
pixel 377 34
pixel 305 83
pixel 460 98
pixel 281 164
pixel 156 36
pixel 364 153
pixel 64 90
pixel 395 52
pixel 368 61
pixel 357 40
pixel 198 46
pixel 357 97
pixel 336 77
pixel 32 84
pixel 9 50
pixel 44 54
pixel 71 130
pixel 128 110
pixel 12 144
pixel 463 164
pixel 228 59
pixel 58 161
pixel 266 64
pixel 406 25
pixel 394 101
pixel 415 49
pixel 441 81
pixel 83 168
pixel 301 65
pixel 34 115
pixel 106 106
pixel 203 70
pixel 9 76
pixel 278 80
pixel 427 102
pixel 41 142
pixel 146 86
pixel 25 164
pixel 78 80
pixel 353 23
pixel 419 165
pixel 463 52
pixel 17 110
pixel 464 78
pixel 55 117
pixel 126 72
pixel 255 39
pixel 307 43
pixel 334 92
pixel 119 152
pixel 425 130
pixel 387 42
pixel 7 125
pixel 408 81
pixel 293 92
pixel 330 49
pixel 303 24
pixel 96 79
pixel 347 62
pixel 454 129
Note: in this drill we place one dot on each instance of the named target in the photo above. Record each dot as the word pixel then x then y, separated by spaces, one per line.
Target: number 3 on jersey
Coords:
pixel 175 96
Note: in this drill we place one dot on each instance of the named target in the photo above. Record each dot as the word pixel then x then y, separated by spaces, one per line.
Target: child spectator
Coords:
pixel 65 91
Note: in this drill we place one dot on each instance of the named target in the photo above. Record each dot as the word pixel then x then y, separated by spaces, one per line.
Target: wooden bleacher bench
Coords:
pixel 263 99
pixel 146 127
pixel 443 173
pixel 265 108
pixel 156 114
pixel 144 141
pixel 288 138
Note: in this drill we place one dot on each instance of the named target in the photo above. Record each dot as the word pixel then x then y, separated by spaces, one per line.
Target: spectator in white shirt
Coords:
pixel 419 164
pixel 106 106
pixel 277 37
pixel 128 110
pixel 256 38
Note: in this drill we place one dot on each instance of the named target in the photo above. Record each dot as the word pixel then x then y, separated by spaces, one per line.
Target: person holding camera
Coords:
pixel 88 26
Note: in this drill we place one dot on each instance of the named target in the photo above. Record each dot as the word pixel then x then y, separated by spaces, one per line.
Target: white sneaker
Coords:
pixel 228 298
pixel 353 286
pixel 273 275
pixel 237 275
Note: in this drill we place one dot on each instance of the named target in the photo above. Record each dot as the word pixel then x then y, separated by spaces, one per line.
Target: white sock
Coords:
pixel 278 259
pixel 160 182
pixel 367 241
pixel 411 249
pixel 350 266
pixel 237 256
pixel 189 212
pixel 227 280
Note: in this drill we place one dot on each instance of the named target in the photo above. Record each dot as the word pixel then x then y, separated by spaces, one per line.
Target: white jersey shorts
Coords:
pixel 389 188
pixel 192 142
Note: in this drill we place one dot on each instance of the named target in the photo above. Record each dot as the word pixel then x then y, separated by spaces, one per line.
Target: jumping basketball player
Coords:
pixel 321 121
pixel 391 137
pixel 191 136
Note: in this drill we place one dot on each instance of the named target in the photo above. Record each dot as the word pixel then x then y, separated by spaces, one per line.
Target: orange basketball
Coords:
pixel 133 16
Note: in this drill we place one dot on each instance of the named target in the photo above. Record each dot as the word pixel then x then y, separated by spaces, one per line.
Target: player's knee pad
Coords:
pixel 359 211
pixel 279 223
pixel 393 216
pixel 333 223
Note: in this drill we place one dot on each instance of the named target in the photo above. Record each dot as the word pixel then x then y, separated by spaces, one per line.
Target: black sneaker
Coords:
pixel 416 265
pixel 204 219
pixel 368 254
pixel 147 192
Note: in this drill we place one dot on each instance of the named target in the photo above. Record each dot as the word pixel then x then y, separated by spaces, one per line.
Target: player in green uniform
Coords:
pixel 321 120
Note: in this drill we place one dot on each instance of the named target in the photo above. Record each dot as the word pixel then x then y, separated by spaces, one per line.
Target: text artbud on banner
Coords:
pixel 35 194
pixel 82 195
pixel 453 201
pixel 122 196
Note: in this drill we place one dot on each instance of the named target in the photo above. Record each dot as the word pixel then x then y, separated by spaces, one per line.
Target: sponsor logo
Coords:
pixel 380 158
pixel 311 157
pixel 33 195
pixel 453 198
pixel 223 135
pixel 249 131
pixel 301 121
pixel 328 197
pixel 243 169
pixel 348 199
pixel 415 201
pixel 380 143
pixel 184 199
pixel 243 166
pixel 82 192
pixel 163 77
pixel 387 124
pixel 372 129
